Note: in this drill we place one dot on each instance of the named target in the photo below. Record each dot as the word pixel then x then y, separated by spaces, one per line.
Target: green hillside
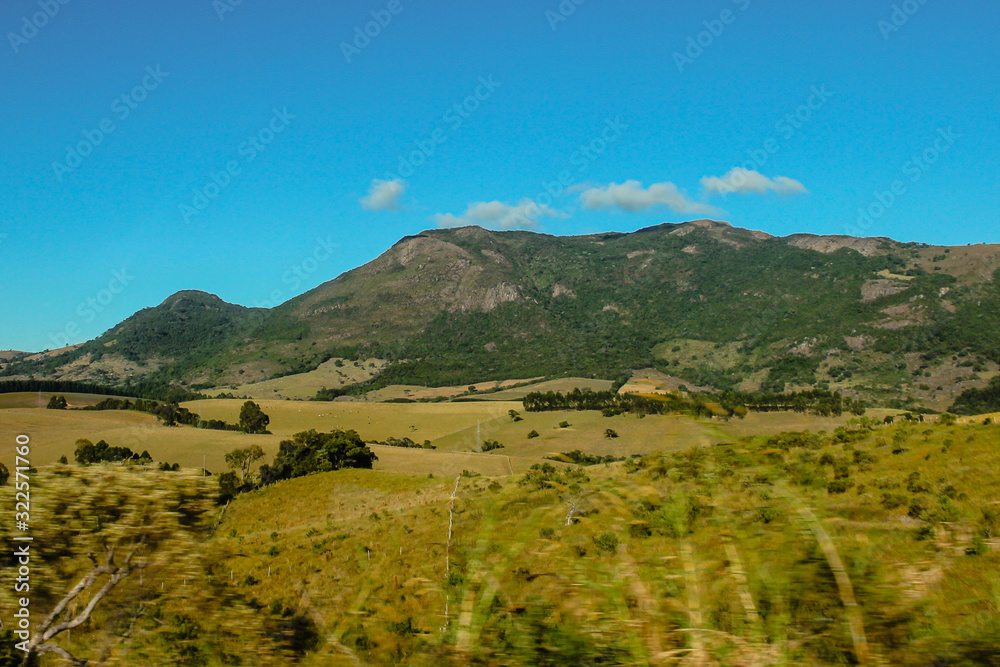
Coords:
pixel 880 319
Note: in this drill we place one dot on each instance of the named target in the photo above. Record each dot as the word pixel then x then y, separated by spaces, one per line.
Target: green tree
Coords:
pixel 85 453
pixel 229 486
pixel 253 419
pixel 242 459
pixel 515 416
pixel 309 452
pixel 57 403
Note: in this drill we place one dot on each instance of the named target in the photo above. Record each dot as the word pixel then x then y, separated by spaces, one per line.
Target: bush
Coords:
pixel 916 510
pixel 892 501
pixel 563 424
pixel 606 542
pixel 838 486
pixel 766 515
pixel 640 530
pixel 532 434
pixel 610 433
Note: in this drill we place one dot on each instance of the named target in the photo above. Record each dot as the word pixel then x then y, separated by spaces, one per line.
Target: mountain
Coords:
pixel 703 301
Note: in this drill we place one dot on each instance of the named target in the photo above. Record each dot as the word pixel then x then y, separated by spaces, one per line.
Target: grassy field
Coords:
pixel 720 545
pixel 328 375
pixel 451 427
pixel 41 399
pixel 718 555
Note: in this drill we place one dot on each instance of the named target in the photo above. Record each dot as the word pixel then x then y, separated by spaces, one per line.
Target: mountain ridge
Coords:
pixel 450 306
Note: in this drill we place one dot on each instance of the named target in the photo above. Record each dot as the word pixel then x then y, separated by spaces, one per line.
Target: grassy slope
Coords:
pixel 367 551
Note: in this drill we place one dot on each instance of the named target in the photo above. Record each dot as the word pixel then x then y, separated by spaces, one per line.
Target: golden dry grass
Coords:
pixel 305 385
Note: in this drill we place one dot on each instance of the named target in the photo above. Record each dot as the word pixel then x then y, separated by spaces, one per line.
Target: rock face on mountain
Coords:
pixel 459 305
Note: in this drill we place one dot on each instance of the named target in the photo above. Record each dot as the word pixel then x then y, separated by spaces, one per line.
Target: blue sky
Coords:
pixel 254 150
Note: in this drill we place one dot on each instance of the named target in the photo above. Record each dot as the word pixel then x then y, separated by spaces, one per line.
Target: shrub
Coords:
pixel 891 501
pixel 766 515
pixel 532 434
pixel 916 509
pixel 838 486
pixel 606 542
pixel 640 530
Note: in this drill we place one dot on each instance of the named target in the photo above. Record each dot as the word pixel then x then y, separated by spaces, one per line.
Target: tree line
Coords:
pixel 978 401
pixel 252 419
pixel 170 393
pixel 729 404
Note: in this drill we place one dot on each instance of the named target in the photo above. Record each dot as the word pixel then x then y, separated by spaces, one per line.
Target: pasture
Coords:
pixel 455 429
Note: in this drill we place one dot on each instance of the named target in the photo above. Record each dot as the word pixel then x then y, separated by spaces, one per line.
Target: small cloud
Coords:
pixel 498 215
pixel 745 181
pixel 384 195
pixel 632 197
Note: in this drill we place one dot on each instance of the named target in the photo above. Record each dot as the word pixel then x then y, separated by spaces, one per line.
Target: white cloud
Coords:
pixel 744 181
pixel 632 197
pixel 498 215
pixel 384 195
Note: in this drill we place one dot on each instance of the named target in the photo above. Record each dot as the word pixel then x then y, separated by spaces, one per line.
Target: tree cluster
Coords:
pixel 406 443
pixel 978 401
pixel 308 452
pixel 57 403
pixel 87 453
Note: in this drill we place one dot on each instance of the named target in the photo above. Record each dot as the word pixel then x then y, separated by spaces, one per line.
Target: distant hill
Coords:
pixel 714 305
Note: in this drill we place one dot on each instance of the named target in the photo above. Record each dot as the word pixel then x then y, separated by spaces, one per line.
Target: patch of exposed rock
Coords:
pixel 879 289
pixel 858 343
pixel 561 290
pixel 869 247
pixel 484 299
